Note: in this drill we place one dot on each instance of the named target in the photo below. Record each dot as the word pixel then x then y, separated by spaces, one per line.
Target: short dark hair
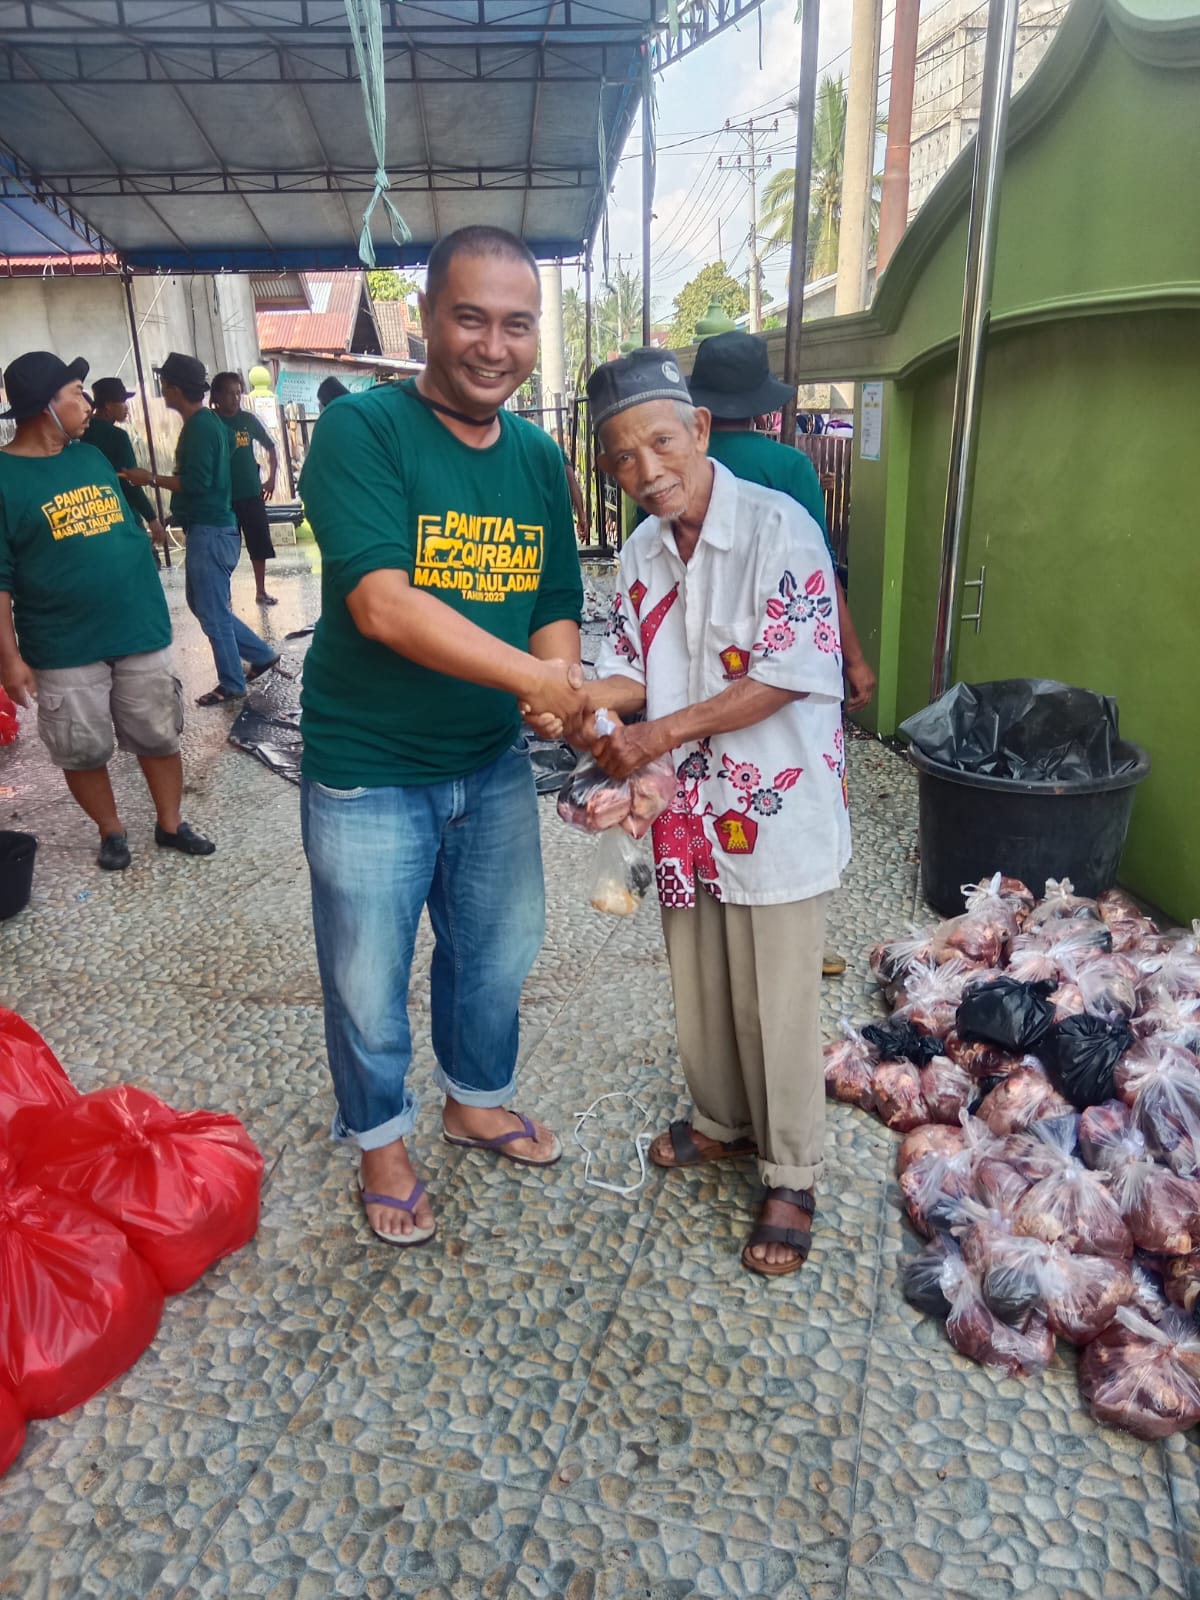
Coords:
pixel 193 393
pixel 222 378
pixel 478 240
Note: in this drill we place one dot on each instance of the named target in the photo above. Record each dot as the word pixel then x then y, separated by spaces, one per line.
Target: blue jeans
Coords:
pixel 212 554
pixel 470 850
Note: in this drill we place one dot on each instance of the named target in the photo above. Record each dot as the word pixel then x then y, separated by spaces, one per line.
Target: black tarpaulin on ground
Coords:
pixel 1032 729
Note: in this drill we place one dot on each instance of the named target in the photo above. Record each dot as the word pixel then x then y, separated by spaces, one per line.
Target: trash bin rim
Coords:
pixel 1073 787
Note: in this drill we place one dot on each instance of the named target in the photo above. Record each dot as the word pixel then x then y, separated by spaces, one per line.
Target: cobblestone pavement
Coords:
pixel 571 1393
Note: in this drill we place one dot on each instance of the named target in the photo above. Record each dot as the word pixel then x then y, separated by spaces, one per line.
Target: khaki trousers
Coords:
pixel 747 983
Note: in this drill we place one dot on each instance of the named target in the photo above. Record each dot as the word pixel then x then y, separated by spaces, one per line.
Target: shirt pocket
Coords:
pixel 728 647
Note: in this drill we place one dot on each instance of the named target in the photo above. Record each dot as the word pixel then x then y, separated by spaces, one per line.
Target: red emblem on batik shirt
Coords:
pixel 637 593
pixel 736 662
pixel 737 834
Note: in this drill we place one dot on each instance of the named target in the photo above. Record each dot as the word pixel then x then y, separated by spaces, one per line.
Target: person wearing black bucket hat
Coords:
pixel 110 406
pixel 724 630
pixel 202 500
pixel 84 625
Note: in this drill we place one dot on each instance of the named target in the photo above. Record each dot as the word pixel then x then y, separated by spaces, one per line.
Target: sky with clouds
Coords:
pixel 747 71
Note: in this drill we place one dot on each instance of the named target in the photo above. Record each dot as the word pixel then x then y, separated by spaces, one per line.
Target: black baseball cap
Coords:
pixel 105 390
pixel 32 381
pixel 642 375
pixel 186 371
pixel 329 390
pixel 732 377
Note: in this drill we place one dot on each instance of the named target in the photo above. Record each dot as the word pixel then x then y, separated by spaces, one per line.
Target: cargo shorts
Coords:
pixel 135 702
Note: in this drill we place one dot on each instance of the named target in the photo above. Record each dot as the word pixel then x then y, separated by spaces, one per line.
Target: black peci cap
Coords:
pixel 640 376
pixel 32 381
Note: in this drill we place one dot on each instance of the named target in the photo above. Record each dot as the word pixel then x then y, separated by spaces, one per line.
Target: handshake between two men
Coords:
pixel 564 703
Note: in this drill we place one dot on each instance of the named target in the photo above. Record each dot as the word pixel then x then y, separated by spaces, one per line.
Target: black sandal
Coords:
pixel 797 1239
pixel 687 1153
pixel 263 667
pixel 218 697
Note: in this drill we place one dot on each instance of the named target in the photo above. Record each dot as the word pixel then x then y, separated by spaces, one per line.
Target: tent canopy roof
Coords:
pixel 208 135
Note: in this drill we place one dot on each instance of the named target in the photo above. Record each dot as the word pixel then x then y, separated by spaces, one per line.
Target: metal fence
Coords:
pixel 830 453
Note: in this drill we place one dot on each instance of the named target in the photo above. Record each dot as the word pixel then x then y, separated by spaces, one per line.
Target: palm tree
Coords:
pixel 825 192
pixel 618 313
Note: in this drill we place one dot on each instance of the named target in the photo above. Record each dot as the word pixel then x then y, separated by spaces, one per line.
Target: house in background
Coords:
pixel 334 331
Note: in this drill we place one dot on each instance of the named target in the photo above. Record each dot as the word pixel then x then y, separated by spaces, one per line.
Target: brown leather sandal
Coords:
pixel 686 1153
pixel 797 1239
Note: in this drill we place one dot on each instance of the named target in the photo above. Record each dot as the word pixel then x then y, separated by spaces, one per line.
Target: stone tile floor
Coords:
pixel 571 1393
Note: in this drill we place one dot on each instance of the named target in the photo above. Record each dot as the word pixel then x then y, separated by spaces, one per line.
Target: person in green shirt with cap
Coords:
pixel 84 625
pixel 250 493
pixel 110 406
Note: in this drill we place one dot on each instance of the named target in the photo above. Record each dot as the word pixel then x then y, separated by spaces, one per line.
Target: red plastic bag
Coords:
pixel 78 1305
pixel 182 1185
pixel 9 728
pixel 31 1080
pixel 12 1431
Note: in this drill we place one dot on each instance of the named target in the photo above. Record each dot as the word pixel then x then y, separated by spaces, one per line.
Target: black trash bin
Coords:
pixel 17 851
pixel 1031 779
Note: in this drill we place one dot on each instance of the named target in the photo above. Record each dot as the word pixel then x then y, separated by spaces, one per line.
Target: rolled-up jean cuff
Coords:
pixel 484 1098
pixel 375 1138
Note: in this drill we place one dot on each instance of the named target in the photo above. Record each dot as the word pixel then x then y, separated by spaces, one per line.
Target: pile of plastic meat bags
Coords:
pixel 108 1202
pixel 1042 1061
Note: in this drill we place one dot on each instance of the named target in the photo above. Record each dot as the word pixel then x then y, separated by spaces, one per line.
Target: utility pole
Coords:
pixel 866 25
pixel 750 169
pixel 893 210
pixel 553 356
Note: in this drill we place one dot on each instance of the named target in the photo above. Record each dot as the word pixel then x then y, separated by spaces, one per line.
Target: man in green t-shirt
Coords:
pixel 250 493
pixel 84 625
pixel 202 500
pixel 451 596
pixel 110 406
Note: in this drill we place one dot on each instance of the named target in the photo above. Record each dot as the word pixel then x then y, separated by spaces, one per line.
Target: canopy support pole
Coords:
pixel 647 182
pixel 127 280
pixel 976 316
pixel 589 474
pixel 810 26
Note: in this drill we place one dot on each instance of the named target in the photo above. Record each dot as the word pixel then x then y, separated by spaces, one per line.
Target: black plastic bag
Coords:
pixel 900 1041
pixel 925 1277
pixel 1014 1016
pixel 1082 1053
pixel 1032 729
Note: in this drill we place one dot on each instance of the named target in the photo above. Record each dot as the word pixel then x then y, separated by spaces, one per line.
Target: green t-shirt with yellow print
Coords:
pixel 489 532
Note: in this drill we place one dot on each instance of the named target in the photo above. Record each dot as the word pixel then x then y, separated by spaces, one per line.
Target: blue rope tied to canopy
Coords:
pixel 366 35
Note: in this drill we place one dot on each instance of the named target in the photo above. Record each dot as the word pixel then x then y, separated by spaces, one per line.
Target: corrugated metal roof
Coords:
pixel 197 136
pixel 279 291
pixel 335 298
pixel 393 325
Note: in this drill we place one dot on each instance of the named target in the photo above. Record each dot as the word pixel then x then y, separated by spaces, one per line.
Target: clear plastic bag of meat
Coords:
pixel 934 1189
pixel 897 1090
pixel 1032 961
pixel 850 1064
pixel 1072 1206
pixel 1165 1089
pixel 1015 894
pixel 1174 1021
pixel 984 932
pixel 1022 1099
pixel 1161 1209
pixel 979 1334
pixel 1144 1376
pixel 1131 929
pixel 1005 1262
pixel 1181 1282
pixel 593 802
pixel 1108 1138
pixel 891 960
pixel 1061 904
pixel 1082 1294
pixel 931 1138
pixel 622 873
pixel 946 1089
pixel 927 1276
pixel 1107 984
pixel 1176 969
pixel 980 1060
pixel 932 993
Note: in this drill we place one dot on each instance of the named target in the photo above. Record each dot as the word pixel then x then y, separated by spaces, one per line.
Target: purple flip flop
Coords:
pixel 525 1131
pixel 405 1241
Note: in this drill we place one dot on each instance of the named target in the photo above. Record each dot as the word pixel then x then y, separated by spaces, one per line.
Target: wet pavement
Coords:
pixel 570 1393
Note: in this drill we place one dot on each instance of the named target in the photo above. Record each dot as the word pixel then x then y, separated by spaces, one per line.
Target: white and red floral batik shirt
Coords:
pixel 759 817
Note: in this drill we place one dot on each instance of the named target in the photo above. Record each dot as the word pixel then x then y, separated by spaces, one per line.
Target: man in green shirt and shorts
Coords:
pixel 84 625
pixel 250 493
pixel 451 596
